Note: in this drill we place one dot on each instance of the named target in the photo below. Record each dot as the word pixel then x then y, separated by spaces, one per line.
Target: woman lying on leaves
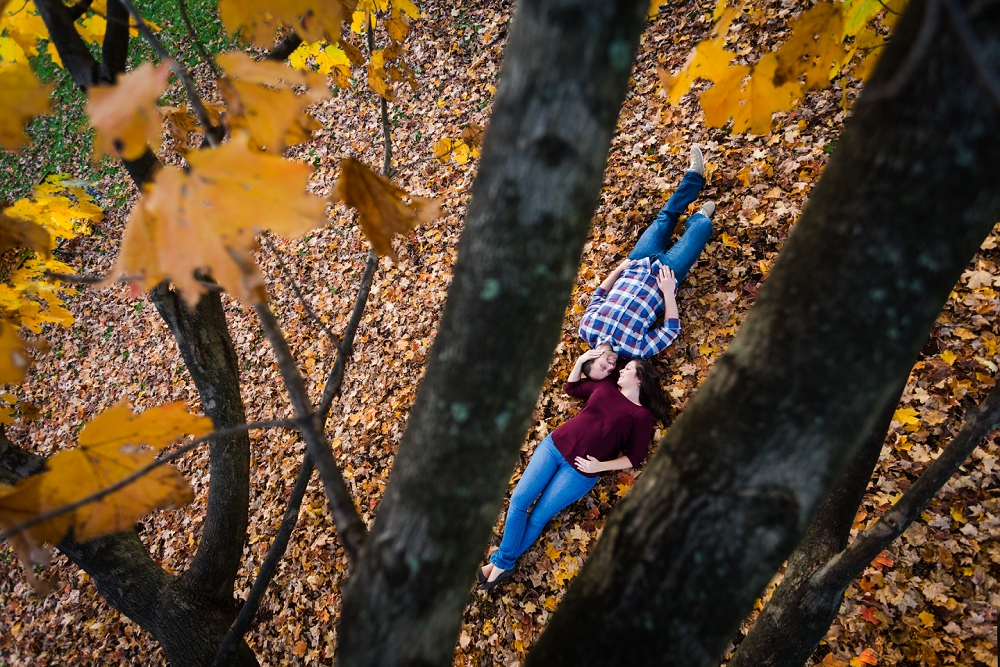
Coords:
pixel 617 418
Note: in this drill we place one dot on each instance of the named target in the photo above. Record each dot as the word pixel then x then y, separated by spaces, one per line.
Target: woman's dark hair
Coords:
pixel 651 394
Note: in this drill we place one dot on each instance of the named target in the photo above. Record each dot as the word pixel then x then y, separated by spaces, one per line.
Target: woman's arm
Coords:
pixel 577 371
pixel 592 465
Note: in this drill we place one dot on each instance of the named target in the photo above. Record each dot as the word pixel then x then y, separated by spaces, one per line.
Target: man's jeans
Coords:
pixel 555 483
pixel 697 230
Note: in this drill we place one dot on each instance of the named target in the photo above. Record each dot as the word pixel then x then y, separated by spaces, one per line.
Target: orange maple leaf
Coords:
pixel 125 114
pixel 380 205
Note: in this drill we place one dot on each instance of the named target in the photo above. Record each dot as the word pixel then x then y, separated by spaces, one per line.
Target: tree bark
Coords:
pixel 563 82
pixel 204 342
pixel 908 196
pixel 796 618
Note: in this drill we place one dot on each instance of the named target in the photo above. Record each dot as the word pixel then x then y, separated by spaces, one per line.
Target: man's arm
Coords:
pixel 609 282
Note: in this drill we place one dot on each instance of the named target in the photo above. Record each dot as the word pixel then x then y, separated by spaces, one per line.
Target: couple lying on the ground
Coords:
pixel 632 314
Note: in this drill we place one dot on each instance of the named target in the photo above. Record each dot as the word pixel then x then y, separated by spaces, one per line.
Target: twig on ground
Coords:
pixel 125 481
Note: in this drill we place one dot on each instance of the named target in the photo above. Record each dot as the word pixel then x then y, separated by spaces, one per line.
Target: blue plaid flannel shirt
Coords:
pixel 626 316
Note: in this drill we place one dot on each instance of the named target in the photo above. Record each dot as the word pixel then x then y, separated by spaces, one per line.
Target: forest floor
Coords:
pixel 931 599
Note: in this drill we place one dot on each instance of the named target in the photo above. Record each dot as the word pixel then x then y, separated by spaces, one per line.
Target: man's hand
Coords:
pixel 666 281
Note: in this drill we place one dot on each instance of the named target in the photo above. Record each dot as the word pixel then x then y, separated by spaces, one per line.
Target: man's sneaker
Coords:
pixel 708 208
pixel 697 161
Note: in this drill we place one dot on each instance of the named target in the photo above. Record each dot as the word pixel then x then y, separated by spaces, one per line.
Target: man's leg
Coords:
pixel 657 236
pixel 682 256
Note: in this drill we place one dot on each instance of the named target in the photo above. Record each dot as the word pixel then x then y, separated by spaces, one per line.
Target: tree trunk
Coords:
pixel 796 617
pixel 908 196
pixel 561 89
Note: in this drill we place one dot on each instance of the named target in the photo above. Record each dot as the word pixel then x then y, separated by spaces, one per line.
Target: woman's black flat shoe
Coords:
pixel 504 576
pixel 480 577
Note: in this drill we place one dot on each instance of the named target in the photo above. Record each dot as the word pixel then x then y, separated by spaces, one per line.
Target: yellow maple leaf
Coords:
pixel 906 416
pixel 205 220
pixel 398 25
pixel 257 21
pixel 407 8
pixel 442 149
pixel 23 24
pixel 815 49
pixel 378 79
pixel 552 552
pixel 14 361
pixel 125 114
pixel 709 60
pixel 948 357
pixel 60 205
pixel 752 105
pixel 22 97
pixel 11 52
pixel 382 211
pixel 334 60
pixel 116 444
pixel 261 101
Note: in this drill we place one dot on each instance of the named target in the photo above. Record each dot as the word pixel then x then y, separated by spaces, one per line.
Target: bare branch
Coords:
pixel 336 377
pixel 984 420
pixel 973 50
pixel 350 528
pixel 285 47
pixel 125 481
pixel 182 74
pixel 266 572
pixel 384 107
pixel 80 8
pixel 291 282
pixel 202 51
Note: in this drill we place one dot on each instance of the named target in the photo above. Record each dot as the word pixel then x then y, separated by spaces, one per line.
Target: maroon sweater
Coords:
pixel 608 424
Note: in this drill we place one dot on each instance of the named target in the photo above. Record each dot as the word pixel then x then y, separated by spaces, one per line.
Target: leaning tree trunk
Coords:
pixel 190 614
pixel 902 207
pixel 794 616
pixel 563 81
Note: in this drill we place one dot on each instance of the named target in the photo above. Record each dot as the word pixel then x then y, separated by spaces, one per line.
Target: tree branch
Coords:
pixel 285 47
pixel 73 51
pixel 114 51
pixel 280 543
pixel 847 564
pixel 336 377
pixel 350 528
pixel 291 282
pixel 141 472
pixel 79 9
pixel 267 569
pixel 202 51
pixel 211 131
pixel 384 107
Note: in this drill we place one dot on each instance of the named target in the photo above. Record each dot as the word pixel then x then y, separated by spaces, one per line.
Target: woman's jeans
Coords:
pixel 555 484
pixel 697 230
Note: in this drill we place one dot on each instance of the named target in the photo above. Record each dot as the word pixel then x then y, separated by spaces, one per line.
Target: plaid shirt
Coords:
pixel 626 316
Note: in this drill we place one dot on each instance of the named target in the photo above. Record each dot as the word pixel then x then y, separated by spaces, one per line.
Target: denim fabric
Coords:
pixel 549 482
pixel 697 230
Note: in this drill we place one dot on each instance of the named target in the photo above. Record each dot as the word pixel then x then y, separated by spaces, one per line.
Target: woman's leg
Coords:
pixel 657 236
pixel 543 465
pixel 568 485
pixel 682 256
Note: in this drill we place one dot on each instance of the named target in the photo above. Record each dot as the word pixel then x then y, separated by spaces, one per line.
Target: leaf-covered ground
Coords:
pixel 931 599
